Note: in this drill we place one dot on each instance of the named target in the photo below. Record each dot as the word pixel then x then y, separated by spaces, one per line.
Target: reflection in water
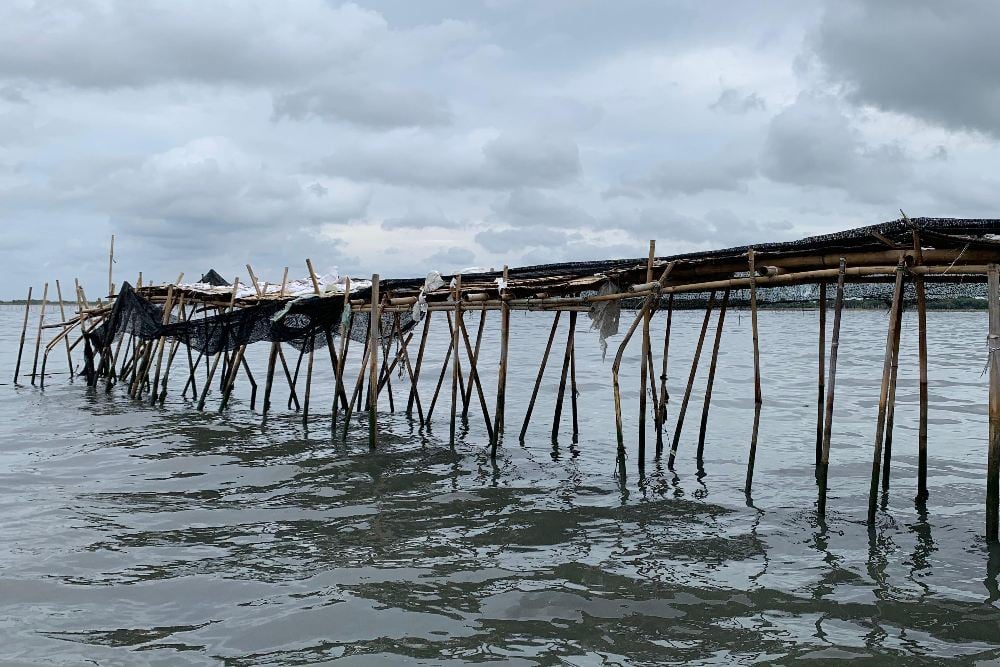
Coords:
pixel 139 535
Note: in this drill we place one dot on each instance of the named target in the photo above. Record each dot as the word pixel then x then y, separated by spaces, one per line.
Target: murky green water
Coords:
pixel 136 535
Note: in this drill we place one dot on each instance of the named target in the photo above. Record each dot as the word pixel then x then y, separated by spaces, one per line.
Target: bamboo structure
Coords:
pixel 131 339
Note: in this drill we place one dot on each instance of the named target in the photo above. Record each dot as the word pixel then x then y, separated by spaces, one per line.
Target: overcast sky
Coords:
pixel 404 136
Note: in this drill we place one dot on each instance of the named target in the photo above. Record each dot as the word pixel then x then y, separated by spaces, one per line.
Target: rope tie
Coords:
pixel 992 347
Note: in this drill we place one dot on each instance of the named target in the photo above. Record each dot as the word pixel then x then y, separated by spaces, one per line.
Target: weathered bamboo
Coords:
pixel 346 318
pixel 38 340
pixel 474 381
pixel 567 360
pixel 690 385
pixel 573 393
pixel 644 365
pixel 173 351
pixel 309 375
pixel 538 378
pixel 293 397
pixel 24 333
pixel 62 314
pixel 456 367
pixel 918 283
pixel 758 399
pixel 498 414
pixel 993 455
pixel 409 368
pixel 897 300
pixel 419 364
pixel 272 362
pixel 831 385
pixel 374 332
pixel 890 415
pixel 474 363
pixel 664 396
pixel 444 370
pixel 111 263
pixel 713 364
pixel 167 309
pixel 218 355
pixel 821 374
pixel 362 370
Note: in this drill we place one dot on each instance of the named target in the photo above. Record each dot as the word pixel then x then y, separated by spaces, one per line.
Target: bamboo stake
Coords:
pixel 567 359
pixel 111 263
pixel 272 362
pixel 474 380
pixel 416 369
pixel 24 333
pixel 824 467
pixel 572 388
pixel 664 396
pixel 456 367
pixel 409 368
pixel 711 378
pixel 690 385
pixel 993 456
pixel 918 282
pixel 62 314
pixel 890 416
pixel 38 340
pixel 821 375
pixel 444 370
pixel 758 399
pixel 897 299
pixel 374 334
pixel 357 389
pixel 173 351
pixel 474 361
pixel 498 414
pixel 218 355
pixel 538 379
pixel 167 309
pixel 345 330
pixel 644 363
pixel 309 375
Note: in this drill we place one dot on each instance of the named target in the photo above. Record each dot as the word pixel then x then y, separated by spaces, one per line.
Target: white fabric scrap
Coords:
pixel 432 282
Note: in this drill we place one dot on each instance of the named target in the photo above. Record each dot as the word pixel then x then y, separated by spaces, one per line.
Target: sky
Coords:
pixel 401 137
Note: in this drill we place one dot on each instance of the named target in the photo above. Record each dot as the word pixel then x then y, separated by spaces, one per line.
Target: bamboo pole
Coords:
pixel 456 367
pixel 38 340
pixel 24 333
pixel 890 416
pixel 644 362
pixel 572 388
pixel 821 374
pixel 173 351
pixel 345 336
pixel 444 370
pixel 498 413
pixel 309 375
pixel 272 362
pixel 824 467
pixel 897 300
pixel 474 362
pixel 538 378
pixel 293 397
pixel 111 264
pixel 474 381
pixel 567 360
pixel 664 396
pixel 690 385
pixel 167 309
pixel 758 399
pixel 711 379
pixel 62 314
pixel 918 282
pixel 218 355
pixel 993 456
pixel 409 367
pixel 416 369
pixel 363 368
pixel 374 333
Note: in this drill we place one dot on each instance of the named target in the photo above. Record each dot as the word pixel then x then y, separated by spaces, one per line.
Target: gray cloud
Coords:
pixel 364 103
pixel 532 209
pixel 452 259
pixel 734 101
pixel 934 60
pixel 507 161
pixel 505 241
pixel 813 143
pixel 724 171
pixel 416 221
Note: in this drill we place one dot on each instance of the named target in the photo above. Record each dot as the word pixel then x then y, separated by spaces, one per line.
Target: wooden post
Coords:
pixel 38 340
pixel 890 415
pixel 419 364
pixel 572 385
pixel 567 360
pixel 664 396
pixel 346 318
pixel 474 381
pixel 167 309
pixel 24 333
pixel 821 375
pixel 474 363
pixel 218 355
pixel 644 362
pixel 897 300
pixel 918 285
pixel 456 368
pixel 309 375
pixel 758 399
pixel 993 456
pixel 690 384
pixel 498 414
pixel 711 378
pixel 272 362
pixel 62 315
pixel 541 373
pixel 824 464
pixel 374 332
